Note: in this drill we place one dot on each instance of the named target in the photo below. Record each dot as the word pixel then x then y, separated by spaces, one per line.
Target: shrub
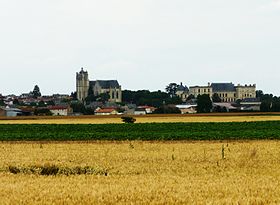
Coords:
pixel 128 119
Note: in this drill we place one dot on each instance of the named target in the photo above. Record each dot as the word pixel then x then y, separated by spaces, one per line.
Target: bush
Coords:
pixel 128 119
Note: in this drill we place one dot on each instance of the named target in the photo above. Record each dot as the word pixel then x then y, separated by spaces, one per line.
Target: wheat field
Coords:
pixel 139 172
pixel 139 119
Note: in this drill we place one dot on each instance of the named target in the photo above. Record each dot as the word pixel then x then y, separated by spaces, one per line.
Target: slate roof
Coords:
pixel 251 100
pixel 223 87
pixel 182 88
pixel 106 84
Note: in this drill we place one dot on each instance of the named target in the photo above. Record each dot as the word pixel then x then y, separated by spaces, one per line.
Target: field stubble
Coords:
pixel 161 118
pixel 139 172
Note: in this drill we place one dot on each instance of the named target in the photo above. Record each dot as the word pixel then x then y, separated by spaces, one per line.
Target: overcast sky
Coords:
pixel 144 44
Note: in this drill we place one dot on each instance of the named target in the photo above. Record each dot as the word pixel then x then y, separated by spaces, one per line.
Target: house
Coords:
pixel 10 112
pixel 250 104
pixel 59 110
pixel 148 109
pixel 187 109
pixel 2 112
pixel 140 111
pixel 106 111
pixel 224 107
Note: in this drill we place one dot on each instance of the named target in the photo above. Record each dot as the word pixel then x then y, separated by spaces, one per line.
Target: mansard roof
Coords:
pixel 182 88
pixel 223 87
pixel 106 84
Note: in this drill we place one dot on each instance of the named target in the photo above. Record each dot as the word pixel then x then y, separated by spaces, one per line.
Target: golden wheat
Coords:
pixel 140 119
pixel 144 173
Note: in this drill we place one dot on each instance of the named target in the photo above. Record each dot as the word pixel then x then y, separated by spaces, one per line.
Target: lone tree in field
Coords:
pixel 36 92
pixel 204 103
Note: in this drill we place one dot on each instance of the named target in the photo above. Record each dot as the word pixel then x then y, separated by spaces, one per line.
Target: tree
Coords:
pixel 78 107
pixel 216 98
pixel 145 97
pixel 259 94
pixel 43 112
pixel 204 103
pixel 128 119
pixel 190 97
pixel 74 95
pixel 36 92
pixel 165 109
pixel 41 104
pixel 171 89
pixel 103 97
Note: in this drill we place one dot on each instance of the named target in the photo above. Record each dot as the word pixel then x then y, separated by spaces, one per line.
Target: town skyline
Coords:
pixel 142 44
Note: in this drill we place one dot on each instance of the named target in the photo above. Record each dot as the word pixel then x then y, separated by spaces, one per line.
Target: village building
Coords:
pixel 106 111
pixel 60 110
pixel 10 112
pixel 83 86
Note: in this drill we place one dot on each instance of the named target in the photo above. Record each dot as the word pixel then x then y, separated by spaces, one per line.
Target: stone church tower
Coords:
pixel 82 84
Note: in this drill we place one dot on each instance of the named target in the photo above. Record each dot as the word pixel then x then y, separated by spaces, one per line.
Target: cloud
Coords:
pixel 271 6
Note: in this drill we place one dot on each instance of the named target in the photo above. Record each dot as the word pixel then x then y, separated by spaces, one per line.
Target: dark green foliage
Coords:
pixel 42 104
pixel 171 89
pixel 145 97
pixel 204 104
pixel 127 119
pixel 78 107
pixel 216 98
pixel 165 109
pixel 145 131
pixel 36 92
pixel 43 112
pixel 49 170
pixel 74 96
pixel 14 170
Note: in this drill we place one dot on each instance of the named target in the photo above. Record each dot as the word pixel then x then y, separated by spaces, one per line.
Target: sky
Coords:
pixel 144 44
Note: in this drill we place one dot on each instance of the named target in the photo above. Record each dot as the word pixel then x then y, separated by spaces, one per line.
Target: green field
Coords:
pixel 145 131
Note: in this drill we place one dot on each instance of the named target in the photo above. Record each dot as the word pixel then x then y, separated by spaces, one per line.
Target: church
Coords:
pixel 83 84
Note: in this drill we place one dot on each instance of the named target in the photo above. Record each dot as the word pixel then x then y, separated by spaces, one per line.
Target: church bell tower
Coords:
pixel 82 84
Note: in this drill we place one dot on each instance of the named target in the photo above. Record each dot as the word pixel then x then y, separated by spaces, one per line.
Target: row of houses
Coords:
pixel 28 111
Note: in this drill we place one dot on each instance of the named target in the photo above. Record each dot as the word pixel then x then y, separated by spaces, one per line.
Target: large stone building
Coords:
pixel 227 92
pixel 83 84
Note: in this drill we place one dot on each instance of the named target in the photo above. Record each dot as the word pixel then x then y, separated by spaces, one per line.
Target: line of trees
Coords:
pixel 269 103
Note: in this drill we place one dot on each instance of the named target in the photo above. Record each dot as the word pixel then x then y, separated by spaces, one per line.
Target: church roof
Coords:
pixel 221 87
pixel 106 84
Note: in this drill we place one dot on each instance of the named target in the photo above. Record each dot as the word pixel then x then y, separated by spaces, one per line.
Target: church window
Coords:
pixel 117 93
pixel 113 94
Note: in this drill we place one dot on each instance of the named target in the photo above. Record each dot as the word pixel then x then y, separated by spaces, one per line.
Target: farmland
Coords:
pixel 214 117
pixel 142 131
pixel 234 172
pixel 185 162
